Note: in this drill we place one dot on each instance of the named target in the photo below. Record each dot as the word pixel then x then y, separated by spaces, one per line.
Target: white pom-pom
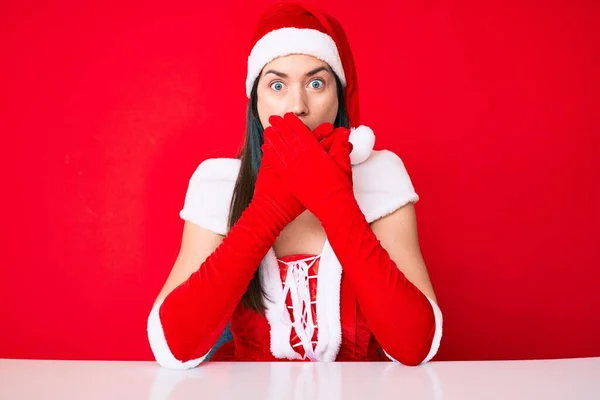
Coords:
pixel 363 140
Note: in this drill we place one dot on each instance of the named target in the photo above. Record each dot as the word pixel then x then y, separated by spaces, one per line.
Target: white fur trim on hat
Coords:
pixel 284 41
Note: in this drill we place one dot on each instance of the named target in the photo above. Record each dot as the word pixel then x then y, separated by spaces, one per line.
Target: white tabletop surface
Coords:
pixel 577 378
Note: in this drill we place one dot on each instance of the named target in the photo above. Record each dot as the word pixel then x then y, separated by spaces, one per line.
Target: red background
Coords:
pixel 106 111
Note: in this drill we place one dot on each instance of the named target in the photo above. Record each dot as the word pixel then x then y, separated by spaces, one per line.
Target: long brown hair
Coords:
pixel 250 157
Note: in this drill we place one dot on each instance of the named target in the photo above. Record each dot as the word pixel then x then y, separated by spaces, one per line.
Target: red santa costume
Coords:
pixel 348 303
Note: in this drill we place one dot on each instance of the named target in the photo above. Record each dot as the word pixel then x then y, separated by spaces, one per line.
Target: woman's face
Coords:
pixel 297 83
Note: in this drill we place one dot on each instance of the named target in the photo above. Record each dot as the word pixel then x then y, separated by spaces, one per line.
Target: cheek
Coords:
pixel 328 107
pixel 266 106
pixel 334 111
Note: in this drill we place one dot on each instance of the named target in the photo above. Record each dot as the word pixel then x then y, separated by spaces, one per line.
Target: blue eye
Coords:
pixel 316 80
pixel 277 86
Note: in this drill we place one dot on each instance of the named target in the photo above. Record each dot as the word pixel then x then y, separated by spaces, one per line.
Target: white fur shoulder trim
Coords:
pixel 209 193
pixel 160 348
pixel 382 185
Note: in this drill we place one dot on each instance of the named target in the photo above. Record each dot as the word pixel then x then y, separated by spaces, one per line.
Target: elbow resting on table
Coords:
pixel 160 348
pixel 427 347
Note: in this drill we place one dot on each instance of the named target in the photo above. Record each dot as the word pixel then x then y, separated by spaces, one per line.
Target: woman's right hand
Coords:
pixel 270 189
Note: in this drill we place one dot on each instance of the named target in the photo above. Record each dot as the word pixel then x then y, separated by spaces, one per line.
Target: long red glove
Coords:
pixel 400 316
pixel 195 313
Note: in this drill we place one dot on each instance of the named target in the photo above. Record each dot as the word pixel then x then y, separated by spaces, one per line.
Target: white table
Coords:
pixel 536 379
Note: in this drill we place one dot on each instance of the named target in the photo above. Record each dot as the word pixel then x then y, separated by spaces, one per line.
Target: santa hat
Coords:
pixel 295 28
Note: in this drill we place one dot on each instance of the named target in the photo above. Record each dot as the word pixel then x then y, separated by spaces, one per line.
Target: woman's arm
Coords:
pixel 185 324
pixel 397 233
pixel 200 297
pixel 405 321
pixel 197 243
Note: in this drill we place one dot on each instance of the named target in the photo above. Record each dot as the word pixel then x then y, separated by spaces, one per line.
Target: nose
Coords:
pixel 297 102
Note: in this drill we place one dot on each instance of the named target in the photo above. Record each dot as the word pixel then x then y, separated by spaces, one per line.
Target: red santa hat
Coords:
pixel 296 28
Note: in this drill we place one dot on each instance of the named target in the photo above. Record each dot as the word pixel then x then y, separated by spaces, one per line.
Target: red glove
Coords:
pixel 193 315
pixel 299 156
pixel 400 316
pixel 287 205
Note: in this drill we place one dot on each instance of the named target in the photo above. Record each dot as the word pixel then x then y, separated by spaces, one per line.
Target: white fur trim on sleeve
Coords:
pixel 160 348
pixel 382 185
pixel 209 193
pixel 437 335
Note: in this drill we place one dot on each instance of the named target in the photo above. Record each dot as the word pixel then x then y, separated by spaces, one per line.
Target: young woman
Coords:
pixel 305 246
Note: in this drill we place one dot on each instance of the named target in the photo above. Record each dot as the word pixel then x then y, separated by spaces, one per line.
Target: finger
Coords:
pixel 275 119
pixel 337 134
pixel 341 147
pixel 341 135
pixel 347 140
pixel 342 132
pixel 326 142
pixel 283 130
pixel 272 137
pixel 275 145
pixel 322 131
pixel 341 158
pixel 300 129
pixel 266 159
pixel 267 133
pixel 339 151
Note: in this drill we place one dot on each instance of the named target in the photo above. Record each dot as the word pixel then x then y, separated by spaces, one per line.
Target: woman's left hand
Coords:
pixel 315 177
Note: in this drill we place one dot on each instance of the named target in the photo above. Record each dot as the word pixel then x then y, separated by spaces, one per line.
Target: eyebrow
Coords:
pixel 309 73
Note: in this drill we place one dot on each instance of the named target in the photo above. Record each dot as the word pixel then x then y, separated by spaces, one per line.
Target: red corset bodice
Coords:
pixel 251 331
